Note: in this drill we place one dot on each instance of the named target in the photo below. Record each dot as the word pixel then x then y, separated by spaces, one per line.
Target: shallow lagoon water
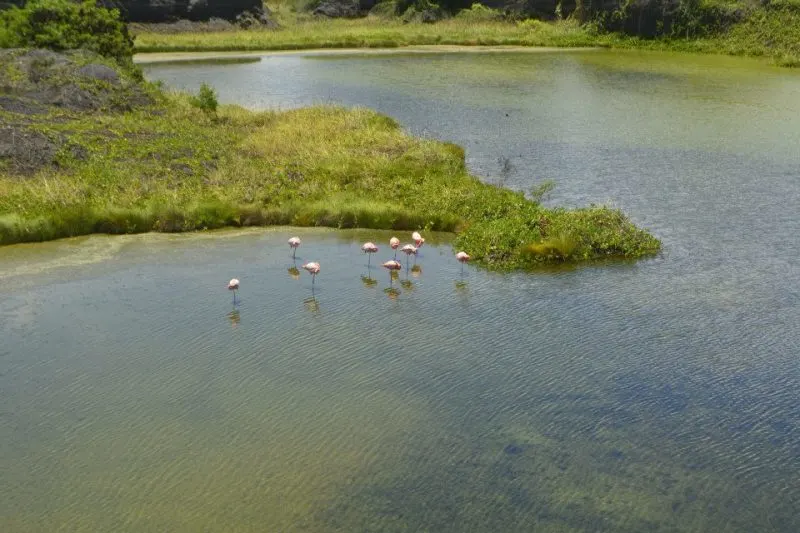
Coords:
pixel 661 395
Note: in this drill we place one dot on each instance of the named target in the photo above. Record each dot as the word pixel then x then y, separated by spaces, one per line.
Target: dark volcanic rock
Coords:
pixel 100 73
pixel 74 81
pixel 343 8
pixel 338 8
pixel 25 151
pixel 17 105
pixel 196 10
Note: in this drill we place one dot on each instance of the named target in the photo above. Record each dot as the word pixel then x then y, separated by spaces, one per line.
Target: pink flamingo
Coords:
pixel 369 248
pixel 391 265
pixel 294 242
pixel 418 240
pixel 462 257
pixel 409 249
pixel 233 285
pixel 313 269
pixel 394 242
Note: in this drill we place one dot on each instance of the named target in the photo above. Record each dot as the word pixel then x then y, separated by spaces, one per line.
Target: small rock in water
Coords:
pixel 513 449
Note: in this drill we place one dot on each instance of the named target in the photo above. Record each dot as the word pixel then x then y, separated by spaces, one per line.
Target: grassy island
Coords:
pixel 770 30
pixel 118 155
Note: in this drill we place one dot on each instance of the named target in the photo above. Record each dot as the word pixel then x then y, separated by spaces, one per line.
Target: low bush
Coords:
pixel 66 25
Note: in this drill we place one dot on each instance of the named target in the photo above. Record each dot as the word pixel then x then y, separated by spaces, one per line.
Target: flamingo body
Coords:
pixel 369 248
pixel 409 249
pixel 392 265
pixel 462 258
pixel 233 285
pixel 312 268
pixel 294 242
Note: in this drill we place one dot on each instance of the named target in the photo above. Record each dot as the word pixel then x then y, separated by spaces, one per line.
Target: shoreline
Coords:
pixel 146 58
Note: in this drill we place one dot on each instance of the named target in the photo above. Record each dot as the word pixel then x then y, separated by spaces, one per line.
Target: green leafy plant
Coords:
pixel 206 99
pixel 65 25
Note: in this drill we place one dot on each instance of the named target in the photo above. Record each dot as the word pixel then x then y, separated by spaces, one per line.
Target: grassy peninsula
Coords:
pixel 770 30
pixel 118 155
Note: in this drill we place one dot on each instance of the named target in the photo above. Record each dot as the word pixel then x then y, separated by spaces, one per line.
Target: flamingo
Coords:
pixel 294 242
pixel 408 249
pixel 233 285
pixel 418 240
pixel 394 242
pixel 369 248
pixel 462 257
pixel 313 269
pixel 392 265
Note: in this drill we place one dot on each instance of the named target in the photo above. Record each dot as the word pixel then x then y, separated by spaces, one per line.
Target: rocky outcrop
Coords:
pixel 338 8
pixel 171 10
pixel 40 85
pixel 343 8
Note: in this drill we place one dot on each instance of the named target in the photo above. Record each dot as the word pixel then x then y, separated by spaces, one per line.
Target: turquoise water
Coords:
pixel 660 395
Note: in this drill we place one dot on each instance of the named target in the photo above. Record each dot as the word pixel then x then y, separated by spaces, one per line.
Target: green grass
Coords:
pixel 369 32
pixel 773 33
pixel 172 167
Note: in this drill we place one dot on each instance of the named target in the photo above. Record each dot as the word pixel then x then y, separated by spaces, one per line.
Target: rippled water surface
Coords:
pixel 662 395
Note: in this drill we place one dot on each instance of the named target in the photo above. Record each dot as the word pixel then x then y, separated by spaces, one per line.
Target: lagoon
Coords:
pixel 661 395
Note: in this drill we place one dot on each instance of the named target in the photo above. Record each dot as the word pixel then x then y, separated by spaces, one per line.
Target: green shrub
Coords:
pixel 384 10
pixel 206 99
pixel 479 13
pixel 65 25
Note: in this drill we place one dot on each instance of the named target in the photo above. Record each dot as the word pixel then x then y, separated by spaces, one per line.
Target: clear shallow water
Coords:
pixel 656 396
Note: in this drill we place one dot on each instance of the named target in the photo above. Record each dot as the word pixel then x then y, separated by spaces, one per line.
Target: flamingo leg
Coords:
pixel 294 251
pixel 369 258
